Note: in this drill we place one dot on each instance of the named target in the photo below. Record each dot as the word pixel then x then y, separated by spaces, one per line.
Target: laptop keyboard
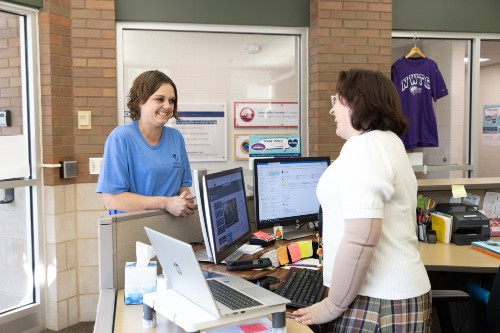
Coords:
pixel 302 286
pixel 230 297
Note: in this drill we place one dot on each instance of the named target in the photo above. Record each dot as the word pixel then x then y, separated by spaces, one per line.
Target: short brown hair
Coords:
pixel 373 100
pixel 145 85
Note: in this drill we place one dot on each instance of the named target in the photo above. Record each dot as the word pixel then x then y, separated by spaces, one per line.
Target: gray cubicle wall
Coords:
pixel 118 235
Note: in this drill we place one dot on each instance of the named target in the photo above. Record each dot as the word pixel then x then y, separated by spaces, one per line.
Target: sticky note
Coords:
pixel 294 251
pixel 306 248
pixel 282 255
pixel 458 191
pixel 253 328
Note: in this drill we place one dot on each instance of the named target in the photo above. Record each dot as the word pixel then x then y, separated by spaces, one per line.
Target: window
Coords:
pixel 453 156
pixel 224 66
pixel 20 185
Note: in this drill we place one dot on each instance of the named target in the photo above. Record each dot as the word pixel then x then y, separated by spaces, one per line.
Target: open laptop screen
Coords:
pixel 225 201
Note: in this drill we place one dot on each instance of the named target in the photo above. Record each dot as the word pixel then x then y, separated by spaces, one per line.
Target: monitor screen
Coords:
pixel 226 212
pixel 285 190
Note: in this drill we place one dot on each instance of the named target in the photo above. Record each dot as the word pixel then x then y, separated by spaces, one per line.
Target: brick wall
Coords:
pixel 10 73
pixel 342 35
pixel 78 72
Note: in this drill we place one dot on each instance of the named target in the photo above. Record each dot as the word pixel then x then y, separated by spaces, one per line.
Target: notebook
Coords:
pixel 185 276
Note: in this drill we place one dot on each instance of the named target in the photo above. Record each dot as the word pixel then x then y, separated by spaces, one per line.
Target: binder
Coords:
pixel 442 223
pixel 489 247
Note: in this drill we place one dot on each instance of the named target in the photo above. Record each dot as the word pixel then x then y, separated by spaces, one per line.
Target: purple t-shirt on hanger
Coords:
pixel 418 82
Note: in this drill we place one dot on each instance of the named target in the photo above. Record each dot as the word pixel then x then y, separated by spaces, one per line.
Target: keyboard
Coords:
pixel 302 286
pixel 230 297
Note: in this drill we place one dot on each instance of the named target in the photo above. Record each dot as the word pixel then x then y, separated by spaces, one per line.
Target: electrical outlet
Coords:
pixel 95 165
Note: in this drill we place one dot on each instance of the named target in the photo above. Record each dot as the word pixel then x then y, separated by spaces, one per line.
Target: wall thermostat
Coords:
pixel 4 118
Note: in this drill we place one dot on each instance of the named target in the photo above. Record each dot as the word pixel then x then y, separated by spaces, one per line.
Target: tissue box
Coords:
pixel 139 281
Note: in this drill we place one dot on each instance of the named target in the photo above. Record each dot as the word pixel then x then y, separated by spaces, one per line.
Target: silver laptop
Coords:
pixel 184 275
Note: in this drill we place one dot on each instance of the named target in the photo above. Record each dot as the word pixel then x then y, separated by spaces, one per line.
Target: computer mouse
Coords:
pixel 266 282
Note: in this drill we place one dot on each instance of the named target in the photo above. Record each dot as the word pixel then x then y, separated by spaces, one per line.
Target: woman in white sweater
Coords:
pixel 377 280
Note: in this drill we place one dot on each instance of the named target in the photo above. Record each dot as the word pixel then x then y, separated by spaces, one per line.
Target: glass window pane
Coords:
pixel 16 243
pixel 243 71
pixel 16 265
pixel 14 157
pixel 489 98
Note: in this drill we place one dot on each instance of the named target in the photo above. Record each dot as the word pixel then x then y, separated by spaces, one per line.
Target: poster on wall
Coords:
pixel 204 129
pixel 266 115
pixel 491 125
pixel 274 146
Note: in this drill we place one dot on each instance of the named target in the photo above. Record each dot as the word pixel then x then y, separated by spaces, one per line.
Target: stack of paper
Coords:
pixel 489 247
pixel 442 224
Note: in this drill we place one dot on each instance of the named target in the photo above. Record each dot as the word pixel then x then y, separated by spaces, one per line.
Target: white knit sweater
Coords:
pixel 373 178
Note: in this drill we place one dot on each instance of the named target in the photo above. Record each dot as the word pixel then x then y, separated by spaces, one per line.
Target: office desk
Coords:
pixel 128 318
pixel 455 258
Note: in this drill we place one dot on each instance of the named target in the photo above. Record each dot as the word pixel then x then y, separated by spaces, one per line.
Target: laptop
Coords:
pixel 185 276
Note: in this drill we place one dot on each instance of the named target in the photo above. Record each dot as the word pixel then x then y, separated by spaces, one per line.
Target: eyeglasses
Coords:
pixel 333 99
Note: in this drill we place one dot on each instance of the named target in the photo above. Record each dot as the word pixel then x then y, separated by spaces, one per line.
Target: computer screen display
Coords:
pixel 285 190
pixel 226 212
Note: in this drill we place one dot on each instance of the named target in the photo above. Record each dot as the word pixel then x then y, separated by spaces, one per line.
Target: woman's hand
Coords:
pixel 182 205
pixel 304 316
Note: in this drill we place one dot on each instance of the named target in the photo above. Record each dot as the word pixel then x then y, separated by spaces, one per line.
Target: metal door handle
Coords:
pixel 8 197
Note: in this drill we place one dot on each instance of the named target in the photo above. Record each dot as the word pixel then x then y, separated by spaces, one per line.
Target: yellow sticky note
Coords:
pixel 458 191
pixel 282 255
pixel 306 248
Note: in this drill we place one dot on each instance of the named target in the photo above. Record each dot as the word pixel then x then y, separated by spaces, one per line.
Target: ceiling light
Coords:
pixel 466 60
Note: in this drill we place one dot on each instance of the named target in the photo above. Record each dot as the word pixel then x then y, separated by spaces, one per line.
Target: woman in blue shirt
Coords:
pixel 145 164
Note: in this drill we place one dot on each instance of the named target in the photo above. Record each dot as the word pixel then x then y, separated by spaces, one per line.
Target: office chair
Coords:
pixel 440 301
pixel 493 308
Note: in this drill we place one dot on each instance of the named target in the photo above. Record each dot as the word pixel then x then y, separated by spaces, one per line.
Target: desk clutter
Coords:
pixel 290 253
pixel 457 223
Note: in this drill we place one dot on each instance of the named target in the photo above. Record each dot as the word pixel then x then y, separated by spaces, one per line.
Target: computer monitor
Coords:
pixel 226 213
pixel 285 192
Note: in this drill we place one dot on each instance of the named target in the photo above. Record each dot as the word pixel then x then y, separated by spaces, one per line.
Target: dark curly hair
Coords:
pixel 373 99
pixel 145 85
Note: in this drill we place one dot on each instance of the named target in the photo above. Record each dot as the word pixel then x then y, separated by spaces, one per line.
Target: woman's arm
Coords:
pixel 351 265
pixel 181 205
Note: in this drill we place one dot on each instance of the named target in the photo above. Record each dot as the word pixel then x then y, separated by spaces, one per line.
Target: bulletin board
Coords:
pixel 204 129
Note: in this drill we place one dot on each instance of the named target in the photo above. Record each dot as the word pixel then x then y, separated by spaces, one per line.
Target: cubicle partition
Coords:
pixel 118 235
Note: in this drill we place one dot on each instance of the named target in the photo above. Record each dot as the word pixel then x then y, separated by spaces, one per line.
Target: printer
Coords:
pixel 468 224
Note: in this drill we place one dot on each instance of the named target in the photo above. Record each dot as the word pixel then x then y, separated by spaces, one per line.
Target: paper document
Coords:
pixel 442 223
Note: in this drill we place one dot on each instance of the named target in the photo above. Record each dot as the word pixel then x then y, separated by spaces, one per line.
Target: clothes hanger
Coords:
pixel 415 50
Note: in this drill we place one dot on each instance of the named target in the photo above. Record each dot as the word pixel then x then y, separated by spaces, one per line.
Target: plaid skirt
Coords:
pixel 369 314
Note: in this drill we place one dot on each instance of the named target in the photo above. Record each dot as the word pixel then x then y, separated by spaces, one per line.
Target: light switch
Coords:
pixel 84 119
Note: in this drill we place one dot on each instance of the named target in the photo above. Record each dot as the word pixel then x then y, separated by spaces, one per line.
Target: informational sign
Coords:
pixel 274 145
pixel 266 115
pixel 491 125
pixel 14 158
pixel 204 127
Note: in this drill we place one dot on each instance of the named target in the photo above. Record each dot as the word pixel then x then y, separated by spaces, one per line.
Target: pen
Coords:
pixel 303 265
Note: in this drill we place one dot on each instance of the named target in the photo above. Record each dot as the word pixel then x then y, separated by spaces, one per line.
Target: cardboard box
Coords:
pixel 139 281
